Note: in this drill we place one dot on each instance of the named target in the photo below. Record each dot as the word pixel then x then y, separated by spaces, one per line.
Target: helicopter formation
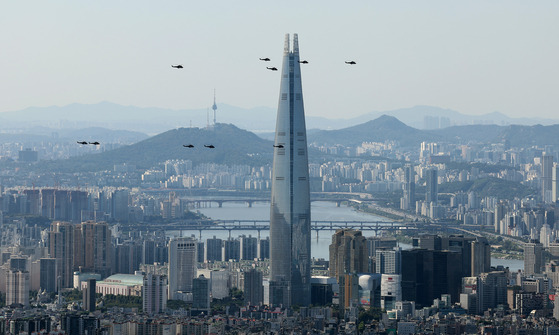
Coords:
pixel 211 146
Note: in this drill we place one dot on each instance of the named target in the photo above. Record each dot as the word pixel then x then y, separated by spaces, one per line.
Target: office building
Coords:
pixel 491 290
pixel 349 291
pixel 388 261
pixel 154 294
pixel 348 253
pixel 384 243
pixel 253 288
pixel 89 295
pixel 290 210
pixel 148 252
pixel 533 258
pixel 201 294
pixel 481 256
pixel 182 266
pixel 390 291
pixel 322 290
pixel 47 275
pixel 428 274
pixel 547 178
pixel 219 284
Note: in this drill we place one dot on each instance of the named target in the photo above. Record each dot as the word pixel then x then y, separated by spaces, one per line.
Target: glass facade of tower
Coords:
pixel 290 230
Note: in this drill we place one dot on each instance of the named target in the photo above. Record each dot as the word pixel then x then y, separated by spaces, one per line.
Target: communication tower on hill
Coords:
pixel 214 107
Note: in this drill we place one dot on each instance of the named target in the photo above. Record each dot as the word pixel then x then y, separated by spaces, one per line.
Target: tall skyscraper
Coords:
pixel 533 254
pixel 348 253
pixel 432 186
pixel 408 200
pixel 547 167
pixel 182 266
pixel 290 210
pixel 481 256
pixel 61 247
pixel 555 182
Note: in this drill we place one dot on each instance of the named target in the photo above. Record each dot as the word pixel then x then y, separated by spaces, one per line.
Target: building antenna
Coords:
pixel 214 107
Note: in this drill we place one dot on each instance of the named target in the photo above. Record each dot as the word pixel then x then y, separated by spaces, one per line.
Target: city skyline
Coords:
pixel 473 57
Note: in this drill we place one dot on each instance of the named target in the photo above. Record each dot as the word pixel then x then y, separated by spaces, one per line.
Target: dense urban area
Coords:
pixel 92 247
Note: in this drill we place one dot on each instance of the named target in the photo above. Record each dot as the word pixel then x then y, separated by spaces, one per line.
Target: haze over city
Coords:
pixel 301 168
pixel 474 57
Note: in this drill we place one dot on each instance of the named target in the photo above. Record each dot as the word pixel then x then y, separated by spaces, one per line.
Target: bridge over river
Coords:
pixel 317 226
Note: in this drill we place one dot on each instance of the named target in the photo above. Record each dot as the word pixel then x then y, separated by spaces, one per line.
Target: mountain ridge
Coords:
pixel 154 120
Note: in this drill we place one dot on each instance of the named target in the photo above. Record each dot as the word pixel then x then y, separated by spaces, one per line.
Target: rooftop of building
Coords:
pixel 123 279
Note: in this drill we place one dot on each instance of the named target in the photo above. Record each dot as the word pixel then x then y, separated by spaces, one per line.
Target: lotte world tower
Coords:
pixel 290 229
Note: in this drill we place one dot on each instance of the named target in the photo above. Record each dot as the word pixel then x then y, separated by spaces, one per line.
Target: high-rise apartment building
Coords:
pixel 212 251
pixel 182 266
pixel 249 247
pixel 348 253
pixel 264 248
pixel 17 287
pixel 154 294
pixel 93 249
pixel 61 247
pixel 231 250
pixel 290 210
pixel 408 199
pixel 432 186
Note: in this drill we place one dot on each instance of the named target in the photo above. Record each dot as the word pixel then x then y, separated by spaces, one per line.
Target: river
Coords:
pixel 320 211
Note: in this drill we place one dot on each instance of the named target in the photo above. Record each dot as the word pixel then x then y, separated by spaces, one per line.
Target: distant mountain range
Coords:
pixel 390 128
pixel 260 119
pixel 237 146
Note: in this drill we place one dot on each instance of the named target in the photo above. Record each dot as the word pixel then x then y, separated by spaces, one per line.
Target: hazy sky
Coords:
pixel 475 56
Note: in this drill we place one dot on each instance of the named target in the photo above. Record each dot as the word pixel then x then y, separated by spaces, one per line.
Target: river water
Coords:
pixel 320 211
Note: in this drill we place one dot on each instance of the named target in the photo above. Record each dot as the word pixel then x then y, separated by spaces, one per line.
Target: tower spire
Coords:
pixel 290 230
pixel 214 107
